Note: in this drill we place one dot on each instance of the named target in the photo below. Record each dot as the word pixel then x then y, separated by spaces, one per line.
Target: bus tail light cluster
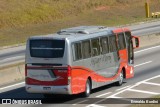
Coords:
pixel 25 70
pixel 26 80
pixel 69 74
pixel 69 71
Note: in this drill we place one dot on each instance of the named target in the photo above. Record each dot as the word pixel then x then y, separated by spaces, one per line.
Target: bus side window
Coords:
pixel 112 43
pixel 121 41
pixel 77 52
pixel 95 47
pixel 86 49
pixel 104 45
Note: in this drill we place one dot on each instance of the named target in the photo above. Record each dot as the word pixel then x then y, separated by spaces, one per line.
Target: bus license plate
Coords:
pixel 47 88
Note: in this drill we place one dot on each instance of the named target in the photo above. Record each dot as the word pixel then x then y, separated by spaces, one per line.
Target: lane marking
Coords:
pixel 12 85
pixel 138 83
pixel 104 94
pixel 147 49
pixel 142 91
pixel 80 102
pixel 115 97
pixel 150 83
pixel 143 64
pixel 122 88
pixel 158 76
pixel 95 105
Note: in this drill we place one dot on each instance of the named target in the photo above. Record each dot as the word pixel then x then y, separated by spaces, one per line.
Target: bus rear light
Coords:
pixel 25 69
pixel 69 80
pixel 55 70
pixel 69 71
pixel 69 74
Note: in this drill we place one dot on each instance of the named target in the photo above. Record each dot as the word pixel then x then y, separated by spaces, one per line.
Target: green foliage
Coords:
pixel 20 19
pixel 26 12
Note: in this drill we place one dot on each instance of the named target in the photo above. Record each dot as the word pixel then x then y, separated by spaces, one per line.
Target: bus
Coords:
pixel 79 59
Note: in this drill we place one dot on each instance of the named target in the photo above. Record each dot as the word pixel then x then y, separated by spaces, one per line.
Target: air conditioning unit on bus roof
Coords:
pixel 83 30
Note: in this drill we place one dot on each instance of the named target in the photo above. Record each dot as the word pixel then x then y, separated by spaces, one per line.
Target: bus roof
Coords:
pixel 76 33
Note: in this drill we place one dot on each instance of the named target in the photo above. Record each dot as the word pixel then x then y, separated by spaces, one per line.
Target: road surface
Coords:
pixel 146 83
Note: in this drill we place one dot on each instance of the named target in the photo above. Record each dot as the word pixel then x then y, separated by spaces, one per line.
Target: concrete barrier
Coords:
pixel 17 72
pixel 12 74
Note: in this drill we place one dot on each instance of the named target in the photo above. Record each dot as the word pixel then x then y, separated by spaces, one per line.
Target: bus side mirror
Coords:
pixel 135 40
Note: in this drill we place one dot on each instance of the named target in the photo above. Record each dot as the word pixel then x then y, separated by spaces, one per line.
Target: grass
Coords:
pixel 22 19
pixel 20 13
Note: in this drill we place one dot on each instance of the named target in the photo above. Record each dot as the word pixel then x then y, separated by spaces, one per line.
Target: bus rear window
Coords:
pixel 47 48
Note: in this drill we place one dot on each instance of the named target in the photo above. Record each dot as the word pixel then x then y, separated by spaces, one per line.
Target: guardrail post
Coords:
pixel 147 8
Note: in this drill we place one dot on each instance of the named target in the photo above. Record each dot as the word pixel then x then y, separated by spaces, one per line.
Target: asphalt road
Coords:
pixel 142 28
pixel 13 55
pixel 147 63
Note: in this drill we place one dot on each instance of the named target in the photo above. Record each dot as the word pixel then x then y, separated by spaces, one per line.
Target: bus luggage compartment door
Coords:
pixel 46 76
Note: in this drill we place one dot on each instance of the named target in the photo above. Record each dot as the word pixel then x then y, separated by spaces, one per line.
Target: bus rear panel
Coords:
pixel 47 69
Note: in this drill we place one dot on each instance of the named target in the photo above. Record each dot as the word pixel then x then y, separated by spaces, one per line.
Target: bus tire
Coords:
pixel 87 89
pixel 121 78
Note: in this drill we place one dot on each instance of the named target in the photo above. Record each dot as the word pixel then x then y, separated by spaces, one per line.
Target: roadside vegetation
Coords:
pixel 20 19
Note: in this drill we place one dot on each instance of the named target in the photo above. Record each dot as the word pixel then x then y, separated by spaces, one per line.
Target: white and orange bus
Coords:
pixel 78 59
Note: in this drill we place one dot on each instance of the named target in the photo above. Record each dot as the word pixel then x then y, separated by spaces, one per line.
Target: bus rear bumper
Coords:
pixel 65 89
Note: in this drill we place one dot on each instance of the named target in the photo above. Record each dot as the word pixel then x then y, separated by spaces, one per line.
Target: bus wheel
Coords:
pixel 87 89
pixel 121 77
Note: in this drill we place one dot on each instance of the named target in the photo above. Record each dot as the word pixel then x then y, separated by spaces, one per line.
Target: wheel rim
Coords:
pixel 87 88
pixel 121 78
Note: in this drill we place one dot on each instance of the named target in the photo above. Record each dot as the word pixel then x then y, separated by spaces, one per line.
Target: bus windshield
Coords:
pixel 47 48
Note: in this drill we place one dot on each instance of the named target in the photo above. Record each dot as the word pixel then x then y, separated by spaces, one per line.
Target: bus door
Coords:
pixel 123 47
pixel 129 44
